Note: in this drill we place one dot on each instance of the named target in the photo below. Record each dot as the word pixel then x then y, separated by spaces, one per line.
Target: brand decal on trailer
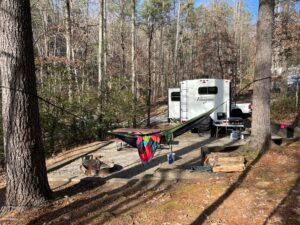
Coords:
pixel 203 98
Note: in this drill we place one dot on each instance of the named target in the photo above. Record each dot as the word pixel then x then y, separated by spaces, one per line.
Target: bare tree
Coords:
pixel 133 59
pixel 27 183
pixel 101 70
pixel 150 31
pixel 261 133
pixel 176 44
pixel 68 44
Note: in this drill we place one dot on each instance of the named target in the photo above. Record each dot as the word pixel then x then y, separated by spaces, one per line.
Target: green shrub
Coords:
pixel 283 105
pixel 95 114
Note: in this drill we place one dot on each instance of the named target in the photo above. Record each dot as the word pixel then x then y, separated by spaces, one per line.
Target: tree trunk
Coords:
pixel 162 90
pixel 261 134
pixel 68 45
pixel 27 183
pixel 240 27
pixel 122 35
pixel 86 47
pixel 101 46
pixel 219 56
pixel 176 45
pixel 154 78
pixel 150 36
pixel 133 56
pixel 297 95
pixel 162 86
pixel 45 32
pixel 104 29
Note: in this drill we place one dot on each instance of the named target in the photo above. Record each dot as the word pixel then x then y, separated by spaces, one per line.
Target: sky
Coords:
pixel 250 5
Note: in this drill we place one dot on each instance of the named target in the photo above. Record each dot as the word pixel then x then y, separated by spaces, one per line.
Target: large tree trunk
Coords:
pixel 27 183
pixel 261 91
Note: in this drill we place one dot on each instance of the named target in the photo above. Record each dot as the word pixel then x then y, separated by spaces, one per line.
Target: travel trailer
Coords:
pixel 198 96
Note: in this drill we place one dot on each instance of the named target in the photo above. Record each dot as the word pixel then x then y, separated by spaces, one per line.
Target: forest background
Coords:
pixel 133 51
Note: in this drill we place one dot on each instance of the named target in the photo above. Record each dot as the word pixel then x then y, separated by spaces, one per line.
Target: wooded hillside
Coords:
pixel 133 51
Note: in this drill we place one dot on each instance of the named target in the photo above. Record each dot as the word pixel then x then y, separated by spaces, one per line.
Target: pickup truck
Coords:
pixel 241 110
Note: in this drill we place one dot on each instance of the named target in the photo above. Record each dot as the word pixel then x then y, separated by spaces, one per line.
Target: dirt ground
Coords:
pixel 267 192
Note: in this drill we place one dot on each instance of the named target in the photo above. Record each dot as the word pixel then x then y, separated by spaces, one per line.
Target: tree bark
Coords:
pixel 241 5
pixel 219 54
pixel 68 45
pixel 27 183
pixel 122 34
pixel 176 45
pixel 101 46
pixel 163 89
pixel 162 86
pixel 133 65
pixel 150 37
pixel 86 46
pixel 261 134
pixel 104 30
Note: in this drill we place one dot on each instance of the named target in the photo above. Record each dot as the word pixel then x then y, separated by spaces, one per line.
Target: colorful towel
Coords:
pixel 147 146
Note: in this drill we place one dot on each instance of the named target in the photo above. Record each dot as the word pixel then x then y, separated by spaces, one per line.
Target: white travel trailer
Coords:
pixel 199 96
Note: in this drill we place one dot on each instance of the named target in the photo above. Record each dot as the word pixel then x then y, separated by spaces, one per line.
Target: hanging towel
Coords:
pixel 147 146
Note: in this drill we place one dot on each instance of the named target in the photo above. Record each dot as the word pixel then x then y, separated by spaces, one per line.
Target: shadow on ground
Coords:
pixel 287 207
pixel 103 204
pixel 210 209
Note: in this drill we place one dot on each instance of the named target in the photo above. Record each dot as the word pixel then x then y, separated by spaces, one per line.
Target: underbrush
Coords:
pixel 84 118
pixel 283 107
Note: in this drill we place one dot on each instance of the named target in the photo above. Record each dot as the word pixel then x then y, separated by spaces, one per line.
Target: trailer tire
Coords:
pixel 204 129
pixel 213 131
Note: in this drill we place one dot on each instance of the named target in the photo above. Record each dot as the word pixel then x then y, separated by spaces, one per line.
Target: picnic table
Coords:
pixel 228 126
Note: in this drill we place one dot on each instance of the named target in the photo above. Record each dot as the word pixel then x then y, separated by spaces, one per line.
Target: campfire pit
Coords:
pixel 95 167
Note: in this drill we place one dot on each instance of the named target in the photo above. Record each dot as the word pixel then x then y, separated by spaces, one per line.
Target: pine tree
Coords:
pixel 261 133
pixel 27 183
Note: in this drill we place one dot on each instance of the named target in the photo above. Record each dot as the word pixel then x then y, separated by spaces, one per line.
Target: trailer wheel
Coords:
pixel 213 131
pixel 204 129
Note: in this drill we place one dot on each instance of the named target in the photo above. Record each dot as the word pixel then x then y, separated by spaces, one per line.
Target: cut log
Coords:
pixel 232 159
pixel 214 160
pixel 229 168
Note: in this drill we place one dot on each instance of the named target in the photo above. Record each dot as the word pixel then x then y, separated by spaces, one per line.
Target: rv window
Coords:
pixel 208 90
pixel 175 96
